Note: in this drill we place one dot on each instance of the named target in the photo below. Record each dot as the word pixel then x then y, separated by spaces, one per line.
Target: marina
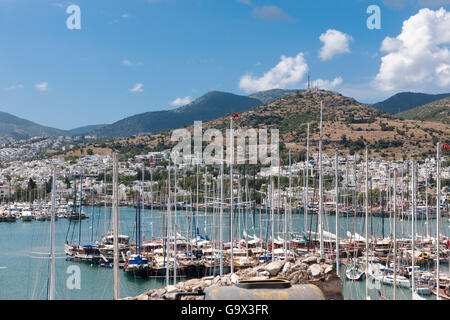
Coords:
pixel 23 270
pixel 225 150
pixel 220 226
pixel 400 247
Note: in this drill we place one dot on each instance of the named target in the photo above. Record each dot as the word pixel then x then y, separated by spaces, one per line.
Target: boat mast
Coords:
pixel 285 229
pixel 426 198
pixel 143 193
pixel 272 213
pixel 92 217
pixel 290 204
pixel 337 209
pixel 321 184
pixel 80 217
pixel 51 280
pixel 280 206
pixel 395 234
pixel 205 200
pixel 169 227
pixel 104 191
pixel 196 207
pixel 367 224
pixel 221 218
pixel 175 227
pixel 413 216
pixel 389 197
pixel 231 192
pixel 115 205
pixel 246 212
pixel 438 218
pixel 151 196
pixel 307 181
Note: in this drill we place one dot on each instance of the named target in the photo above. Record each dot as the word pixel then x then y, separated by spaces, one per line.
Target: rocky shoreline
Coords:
pixel 305 270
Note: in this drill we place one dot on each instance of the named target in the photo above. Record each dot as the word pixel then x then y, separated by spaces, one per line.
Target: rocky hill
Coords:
pixel 348 126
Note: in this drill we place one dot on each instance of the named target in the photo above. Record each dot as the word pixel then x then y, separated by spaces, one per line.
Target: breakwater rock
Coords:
pixel 305 270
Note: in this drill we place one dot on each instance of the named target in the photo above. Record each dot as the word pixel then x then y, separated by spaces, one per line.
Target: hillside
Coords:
pixel 15 128
pixel 435 111
pixel 348 126
pixel 212 105
pixel 404 101
pixel 84 129
pixel 271 95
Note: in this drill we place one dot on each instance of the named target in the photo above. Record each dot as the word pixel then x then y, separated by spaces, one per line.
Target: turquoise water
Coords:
pixel 24 250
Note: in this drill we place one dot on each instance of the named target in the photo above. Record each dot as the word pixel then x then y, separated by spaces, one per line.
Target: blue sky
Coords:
pixel 173 51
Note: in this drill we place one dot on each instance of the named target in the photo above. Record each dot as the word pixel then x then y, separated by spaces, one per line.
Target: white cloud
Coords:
pixel 14 87
pixel 137 88
pixel 326 84
pixel 181 101
pixel 43 86
pixel 125 15
pixel 334 42
pixel 270 13
pixel 419 57
pixel 286 74
pixel 131 63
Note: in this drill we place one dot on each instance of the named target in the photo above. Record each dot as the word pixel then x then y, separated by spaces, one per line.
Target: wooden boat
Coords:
pixel 87 253
pixel 75 216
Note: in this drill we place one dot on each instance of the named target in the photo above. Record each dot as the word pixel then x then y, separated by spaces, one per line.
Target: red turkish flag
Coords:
pixel 445 147
pixel 235 115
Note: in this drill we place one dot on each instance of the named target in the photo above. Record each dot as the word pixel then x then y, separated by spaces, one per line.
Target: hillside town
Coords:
pixel 15 175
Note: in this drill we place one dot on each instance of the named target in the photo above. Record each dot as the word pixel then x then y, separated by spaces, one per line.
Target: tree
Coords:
pixel 48 185
pixel 31 184
pixel 67 182
pixel 90 152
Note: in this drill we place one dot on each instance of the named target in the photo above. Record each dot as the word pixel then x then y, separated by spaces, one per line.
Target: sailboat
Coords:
pixel 354 272
pixel 136 265
pixel 83 253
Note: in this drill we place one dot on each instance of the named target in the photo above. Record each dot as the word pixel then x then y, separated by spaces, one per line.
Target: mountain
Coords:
pixel 84 130
pixel 435 111
pixel 407 100
pixel 15 128
pixel 212 105
pixel 271 95
pixel 349 126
